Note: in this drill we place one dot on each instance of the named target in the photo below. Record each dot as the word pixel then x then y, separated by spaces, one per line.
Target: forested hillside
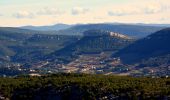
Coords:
pixel 84 87
pixel 152 46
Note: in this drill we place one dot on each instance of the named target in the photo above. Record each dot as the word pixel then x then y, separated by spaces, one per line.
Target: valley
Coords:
pixel 94 51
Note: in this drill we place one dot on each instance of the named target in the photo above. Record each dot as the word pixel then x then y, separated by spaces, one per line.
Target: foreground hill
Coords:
pixel 94 41
pixel 84 87
pixel 151 48
pixel 136 31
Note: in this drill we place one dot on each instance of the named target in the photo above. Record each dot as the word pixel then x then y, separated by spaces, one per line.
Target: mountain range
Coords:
pixel 48 28
pixel 132 30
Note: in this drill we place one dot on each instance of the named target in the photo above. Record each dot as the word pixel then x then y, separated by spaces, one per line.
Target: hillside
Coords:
pixel 153 46
pixel 40 45
pixel 94 41
pixel 12 37
pixel 23 45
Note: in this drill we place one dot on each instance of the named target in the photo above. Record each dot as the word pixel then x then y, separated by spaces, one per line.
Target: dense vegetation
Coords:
pixel 84 87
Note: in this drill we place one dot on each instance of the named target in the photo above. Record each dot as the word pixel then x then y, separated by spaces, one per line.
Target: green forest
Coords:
pixel 83 87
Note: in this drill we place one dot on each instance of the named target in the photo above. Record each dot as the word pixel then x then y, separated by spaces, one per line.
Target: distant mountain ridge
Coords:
pixel 133 30
pixel 48 28
pixel 136 31
pixel 17 30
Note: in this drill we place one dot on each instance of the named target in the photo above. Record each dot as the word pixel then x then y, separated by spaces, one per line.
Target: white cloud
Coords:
pixel 50 11
pixel 23 14
pixel 123 11
pixel 147 7
pixel 79 10
pixel 153 8
pixel 164 19
pixel 45 11
pixel 119 13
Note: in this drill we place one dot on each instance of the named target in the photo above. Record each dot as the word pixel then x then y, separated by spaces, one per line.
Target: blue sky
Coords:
pixel 46 12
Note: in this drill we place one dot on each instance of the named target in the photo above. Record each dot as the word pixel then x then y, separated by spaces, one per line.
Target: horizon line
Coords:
pixel 139 23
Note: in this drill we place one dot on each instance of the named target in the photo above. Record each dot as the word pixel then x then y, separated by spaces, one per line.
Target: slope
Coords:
pixel 153 46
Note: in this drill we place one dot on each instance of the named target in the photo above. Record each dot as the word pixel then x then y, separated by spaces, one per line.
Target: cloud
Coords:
pixel 145 8
pixel 153 8
pixel 164 19
pixel 123 12
pixel 50 11
pixel 79 10
pixel 38 13
pixel 117 13
pixel 98 18
pixel 23 14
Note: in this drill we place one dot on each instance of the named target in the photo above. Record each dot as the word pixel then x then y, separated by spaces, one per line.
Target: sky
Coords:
pixel 49 12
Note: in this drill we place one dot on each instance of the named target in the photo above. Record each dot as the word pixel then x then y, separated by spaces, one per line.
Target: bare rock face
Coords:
pixel 119 35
